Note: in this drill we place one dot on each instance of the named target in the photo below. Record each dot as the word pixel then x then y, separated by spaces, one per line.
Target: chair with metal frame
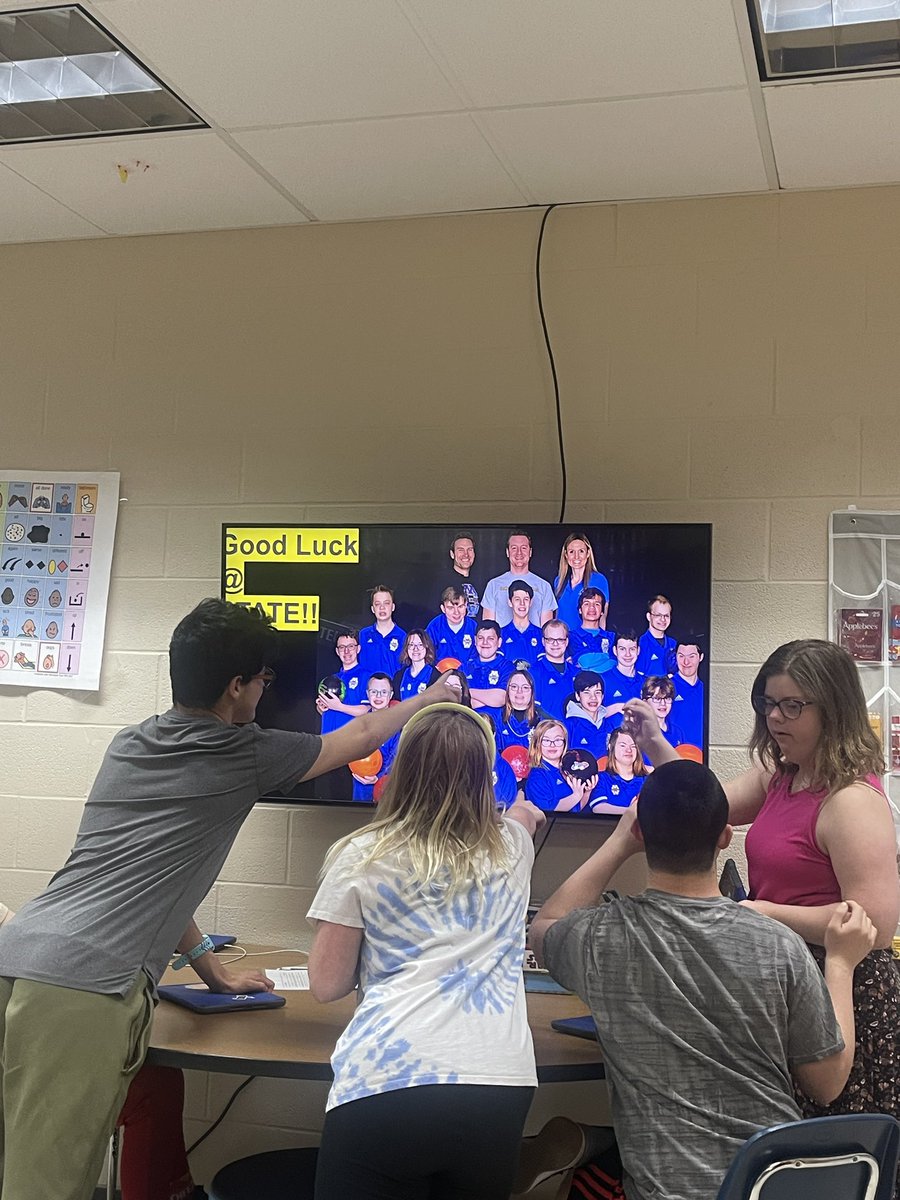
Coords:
pixel 852 1157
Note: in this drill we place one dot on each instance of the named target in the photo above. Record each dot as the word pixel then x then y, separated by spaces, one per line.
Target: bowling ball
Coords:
pixel 379 787
pixel 579 764
pixel 370 765
pixel 692 753
pixel 517 757
pixel 332 686
pixel 447 664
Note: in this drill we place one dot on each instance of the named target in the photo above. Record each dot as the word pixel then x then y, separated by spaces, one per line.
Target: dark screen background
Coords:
pixel 639 561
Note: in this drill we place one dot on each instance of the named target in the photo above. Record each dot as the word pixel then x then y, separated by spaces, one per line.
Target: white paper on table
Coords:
pixel 289 979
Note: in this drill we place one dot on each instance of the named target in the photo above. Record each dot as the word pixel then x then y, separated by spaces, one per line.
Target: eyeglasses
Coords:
pixel 790 709
pixel 266 677
pixel 557 741
pixel 380 692
pixel 557 641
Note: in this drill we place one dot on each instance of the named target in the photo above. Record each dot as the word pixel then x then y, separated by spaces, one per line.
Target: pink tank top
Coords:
pixel 784 863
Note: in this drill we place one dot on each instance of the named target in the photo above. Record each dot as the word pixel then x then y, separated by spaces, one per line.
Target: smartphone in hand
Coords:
pixel 730 882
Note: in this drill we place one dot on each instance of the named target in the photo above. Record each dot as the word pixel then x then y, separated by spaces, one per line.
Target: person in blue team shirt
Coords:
pixel 591 643
pixel 521 638
pixel 554 673
pixel 659 692
pixel 622 683
pixel 586 722
pixel 379 693
pixel 506 785
pixel 379 644
pixel 335 712
pixel 687 708
pixel 488 670
pixel 656 650
pixel 520 714
pixel 546 786
pixel 577 570
pixel 417 668
pixel 622 777
pixel 495 602
pixel 452 631
pixel 462 556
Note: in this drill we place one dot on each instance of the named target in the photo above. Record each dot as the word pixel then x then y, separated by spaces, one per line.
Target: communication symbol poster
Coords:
pixel 56 546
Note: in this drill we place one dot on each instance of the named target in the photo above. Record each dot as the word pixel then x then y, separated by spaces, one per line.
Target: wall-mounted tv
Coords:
pixel 550 629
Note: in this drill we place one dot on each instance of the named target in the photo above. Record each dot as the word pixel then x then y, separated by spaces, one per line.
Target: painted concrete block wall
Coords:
pixel 728 360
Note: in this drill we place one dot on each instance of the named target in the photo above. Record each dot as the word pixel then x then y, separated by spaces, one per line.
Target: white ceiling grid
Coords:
pixel 331 110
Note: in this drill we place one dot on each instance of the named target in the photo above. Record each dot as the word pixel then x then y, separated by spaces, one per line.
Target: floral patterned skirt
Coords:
pixel 874 1083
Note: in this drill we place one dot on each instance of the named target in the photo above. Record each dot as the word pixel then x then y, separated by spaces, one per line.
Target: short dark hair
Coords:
pixel 691 639
pixel 347 633
pixel 681 810
pixel 216 642
pixel 488 623
pixel 458 536
pixel 591 593
pixel 519 533
pixel 627 635
pixel 586 679
pixel 520 585
pixel 380 587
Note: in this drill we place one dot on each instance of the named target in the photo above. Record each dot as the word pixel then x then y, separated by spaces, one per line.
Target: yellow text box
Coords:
pixel 293 614
pixel 293 544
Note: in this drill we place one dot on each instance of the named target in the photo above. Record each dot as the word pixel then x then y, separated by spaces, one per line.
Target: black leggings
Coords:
pixel 450 1141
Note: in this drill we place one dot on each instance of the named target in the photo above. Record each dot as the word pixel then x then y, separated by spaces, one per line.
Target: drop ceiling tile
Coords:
pixel 687 145
pixel 835 134
pixel 515 52
pixel 284 62
pixel 400 167
pixel 175 182
pixel 28 214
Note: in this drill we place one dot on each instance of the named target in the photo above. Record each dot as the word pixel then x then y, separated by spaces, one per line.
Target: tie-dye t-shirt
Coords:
pixel 442 993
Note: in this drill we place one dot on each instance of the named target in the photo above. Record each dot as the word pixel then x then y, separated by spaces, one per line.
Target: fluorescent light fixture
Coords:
pixel 812 38
pixel 64 76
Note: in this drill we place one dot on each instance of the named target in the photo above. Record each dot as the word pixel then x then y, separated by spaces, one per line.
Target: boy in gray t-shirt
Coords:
pixel 707 1012
pixel 79 964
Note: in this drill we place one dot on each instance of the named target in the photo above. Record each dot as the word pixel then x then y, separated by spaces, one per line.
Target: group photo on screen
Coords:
pixel 548 631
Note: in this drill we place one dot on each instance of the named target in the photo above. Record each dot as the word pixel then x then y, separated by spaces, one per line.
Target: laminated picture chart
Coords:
pixel 55 557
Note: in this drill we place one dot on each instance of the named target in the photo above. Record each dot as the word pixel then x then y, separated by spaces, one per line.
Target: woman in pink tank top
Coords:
pixel 821 832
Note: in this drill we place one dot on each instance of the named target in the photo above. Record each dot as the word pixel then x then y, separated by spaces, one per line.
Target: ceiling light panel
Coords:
pixel 63 76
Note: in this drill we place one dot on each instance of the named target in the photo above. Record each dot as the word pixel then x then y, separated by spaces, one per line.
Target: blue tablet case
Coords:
pixel 199 1000
pixel 582 1027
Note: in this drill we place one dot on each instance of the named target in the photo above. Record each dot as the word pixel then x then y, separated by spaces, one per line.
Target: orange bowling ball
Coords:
pixel 692 753
pixel 370 765
pixel 447 664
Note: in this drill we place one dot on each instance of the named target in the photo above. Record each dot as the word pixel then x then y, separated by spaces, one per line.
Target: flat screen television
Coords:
pixel 348 599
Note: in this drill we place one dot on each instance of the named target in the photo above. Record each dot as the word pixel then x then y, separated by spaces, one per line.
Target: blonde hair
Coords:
pixel 590 565
pixel 639 768
pixel 848 748
pixel 535 757
pixel 438 808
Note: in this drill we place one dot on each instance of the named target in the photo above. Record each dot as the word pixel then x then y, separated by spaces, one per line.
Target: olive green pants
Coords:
pixel 66 1060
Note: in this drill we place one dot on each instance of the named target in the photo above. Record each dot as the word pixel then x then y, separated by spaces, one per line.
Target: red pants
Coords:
pixel 154 1164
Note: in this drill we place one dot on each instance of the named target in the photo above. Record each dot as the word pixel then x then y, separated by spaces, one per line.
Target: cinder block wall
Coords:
pixel 731 360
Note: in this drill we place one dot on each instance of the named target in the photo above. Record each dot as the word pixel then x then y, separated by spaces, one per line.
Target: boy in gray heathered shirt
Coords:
pixel 707 1012
pixel 79 964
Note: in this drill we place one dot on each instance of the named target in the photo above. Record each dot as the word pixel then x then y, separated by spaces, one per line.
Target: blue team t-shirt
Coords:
pixel 522 646
pixel 354 680
pixel 407 685
pixel 687 709
pixel 553 684
pixel 380 652
pixel 449 643
pixel 619 688
pixel 614 790
pixel 364 791
pixel 567 603
pixel 655 656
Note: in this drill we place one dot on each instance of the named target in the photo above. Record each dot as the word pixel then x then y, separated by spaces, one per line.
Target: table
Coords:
pixel 296 1042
